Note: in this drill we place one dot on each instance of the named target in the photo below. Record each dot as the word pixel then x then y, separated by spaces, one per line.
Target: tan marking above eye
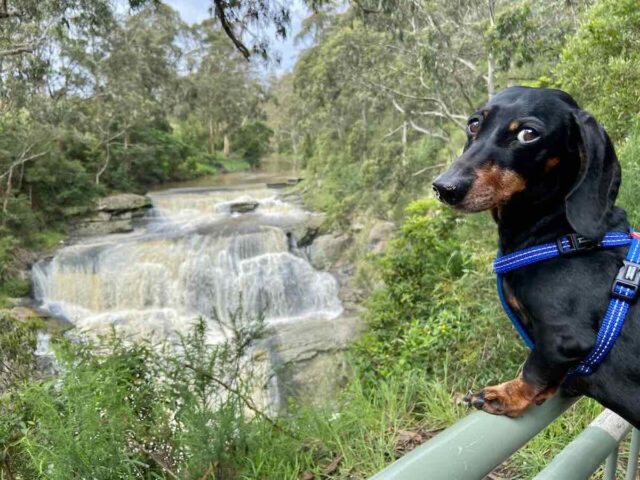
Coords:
pixel 551 163
pixel 485 113
pixel 514 125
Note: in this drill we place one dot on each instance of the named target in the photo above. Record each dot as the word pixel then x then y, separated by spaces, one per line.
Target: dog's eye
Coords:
pixel 528 135
pixel 473 126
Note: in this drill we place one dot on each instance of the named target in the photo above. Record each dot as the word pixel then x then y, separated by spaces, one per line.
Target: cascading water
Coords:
pixel 191 257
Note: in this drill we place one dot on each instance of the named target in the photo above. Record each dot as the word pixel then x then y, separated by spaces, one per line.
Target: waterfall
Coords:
pixel 191 257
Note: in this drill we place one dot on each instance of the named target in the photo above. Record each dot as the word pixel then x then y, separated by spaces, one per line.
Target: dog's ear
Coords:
pixel 596 188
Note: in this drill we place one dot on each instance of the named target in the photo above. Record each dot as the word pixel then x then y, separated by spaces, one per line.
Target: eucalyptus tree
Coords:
pixel 221 90
pixel 454 54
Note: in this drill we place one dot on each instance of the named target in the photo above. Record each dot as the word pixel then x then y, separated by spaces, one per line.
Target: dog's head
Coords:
pixel 527 145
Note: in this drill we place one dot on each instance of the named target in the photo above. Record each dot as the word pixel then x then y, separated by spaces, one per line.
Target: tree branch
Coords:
pixel 228 29
pixel 17 50
pixel 365 9
pixel 426 169
pixel 428 132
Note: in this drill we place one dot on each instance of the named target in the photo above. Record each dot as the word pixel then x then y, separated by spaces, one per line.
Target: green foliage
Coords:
pixel 17 361
pixel 17 366
pixel 8 244
pixel 100 101
pixel 253 141
pixel 438 302
pixel 600 65
pixel 60 183
pixel 132 410
pixel 629 156
pixel 15 287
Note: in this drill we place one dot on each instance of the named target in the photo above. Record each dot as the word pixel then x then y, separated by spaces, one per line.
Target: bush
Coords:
pixel 122 410
pixel 600 64
pixel 252 141
pixel 438 310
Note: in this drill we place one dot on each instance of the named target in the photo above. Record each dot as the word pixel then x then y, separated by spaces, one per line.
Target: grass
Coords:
pixel 366 431
pixel 48 239
pixel 231 165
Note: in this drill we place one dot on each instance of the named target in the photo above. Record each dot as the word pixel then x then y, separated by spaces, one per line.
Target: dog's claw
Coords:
pixel 474 400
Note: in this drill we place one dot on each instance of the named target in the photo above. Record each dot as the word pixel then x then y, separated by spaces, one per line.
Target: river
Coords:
pixel 192 255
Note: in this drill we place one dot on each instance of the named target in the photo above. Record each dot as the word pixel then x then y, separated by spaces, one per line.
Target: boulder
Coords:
pixel 306 232
pixel 243 207
pixel 379 235
pixel 123 202
pixel 303 360
pixel 327 249
pixel 113 214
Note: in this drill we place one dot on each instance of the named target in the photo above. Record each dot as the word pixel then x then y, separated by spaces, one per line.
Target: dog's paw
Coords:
pixel 489 400
pixel 475 400
pixel 510 398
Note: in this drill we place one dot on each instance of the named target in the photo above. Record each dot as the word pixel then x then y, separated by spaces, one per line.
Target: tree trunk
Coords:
pixel 491 62
pixel 365 128
pixel 491 87
pixel 106 163
pixel 210 139
pixel 294 147
pixel 227 146
pixel 404 143
pixel 127 158
pixel 7 193
pixel 21 178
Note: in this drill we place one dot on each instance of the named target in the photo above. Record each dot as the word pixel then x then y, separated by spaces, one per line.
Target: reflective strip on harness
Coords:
pixel 624 290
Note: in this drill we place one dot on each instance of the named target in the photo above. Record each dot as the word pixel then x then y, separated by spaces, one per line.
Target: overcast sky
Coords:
pixel 194 11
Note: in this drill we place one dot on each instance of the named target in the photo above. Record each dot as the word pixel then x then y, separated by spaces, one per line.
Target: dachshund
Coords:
pixel 546 168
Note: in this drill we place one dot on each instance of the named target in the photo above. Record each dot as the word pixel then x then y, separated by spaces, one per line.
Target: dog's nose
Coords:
pixel 447 192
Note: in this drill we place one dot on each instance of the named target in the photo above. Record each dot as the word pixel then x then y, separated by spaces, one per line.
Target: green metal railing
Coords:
pixel 473 447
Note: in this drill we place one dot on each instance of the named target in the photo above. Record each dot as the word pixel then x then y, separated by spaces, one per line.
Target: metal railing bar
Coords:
pixel 474 446
pixel 580 458
pixel 611 465
pixel 632 466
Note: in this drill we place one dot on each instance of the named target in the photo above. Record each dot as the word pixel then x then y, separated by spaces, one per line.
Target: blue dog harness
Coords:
pixel 623 291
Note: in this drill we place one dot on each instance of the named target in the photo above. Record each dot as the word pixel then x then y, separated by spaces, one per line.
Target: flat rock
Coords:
pixel 243 207
pixel 113 214
pixel 25 313
pixel 123 202
pixel 107 227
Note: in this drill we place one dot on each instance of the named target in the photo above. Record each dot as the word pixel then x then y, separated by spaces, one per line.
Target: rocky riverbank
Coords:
pixel 278 252
pixel 113 214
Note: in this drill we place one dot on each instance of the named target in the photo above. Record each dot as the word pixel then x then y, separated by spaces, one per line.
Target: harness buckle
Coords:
pixel 577 244
pixel 627 283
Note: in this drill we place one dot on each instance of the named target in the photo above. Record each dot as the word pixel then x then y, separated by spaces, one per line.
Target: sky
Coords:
pixel 194 11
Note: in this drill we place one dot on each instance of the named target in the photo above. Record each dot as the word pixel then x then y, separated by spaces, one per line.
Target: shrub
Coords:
pixel 600 64
pixel 123 410
pixel 438 309
pixel 252 141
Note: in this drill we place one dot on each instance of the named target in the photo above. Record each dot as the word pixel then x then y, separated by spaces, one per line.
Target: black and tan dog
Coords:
pixel 546 168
